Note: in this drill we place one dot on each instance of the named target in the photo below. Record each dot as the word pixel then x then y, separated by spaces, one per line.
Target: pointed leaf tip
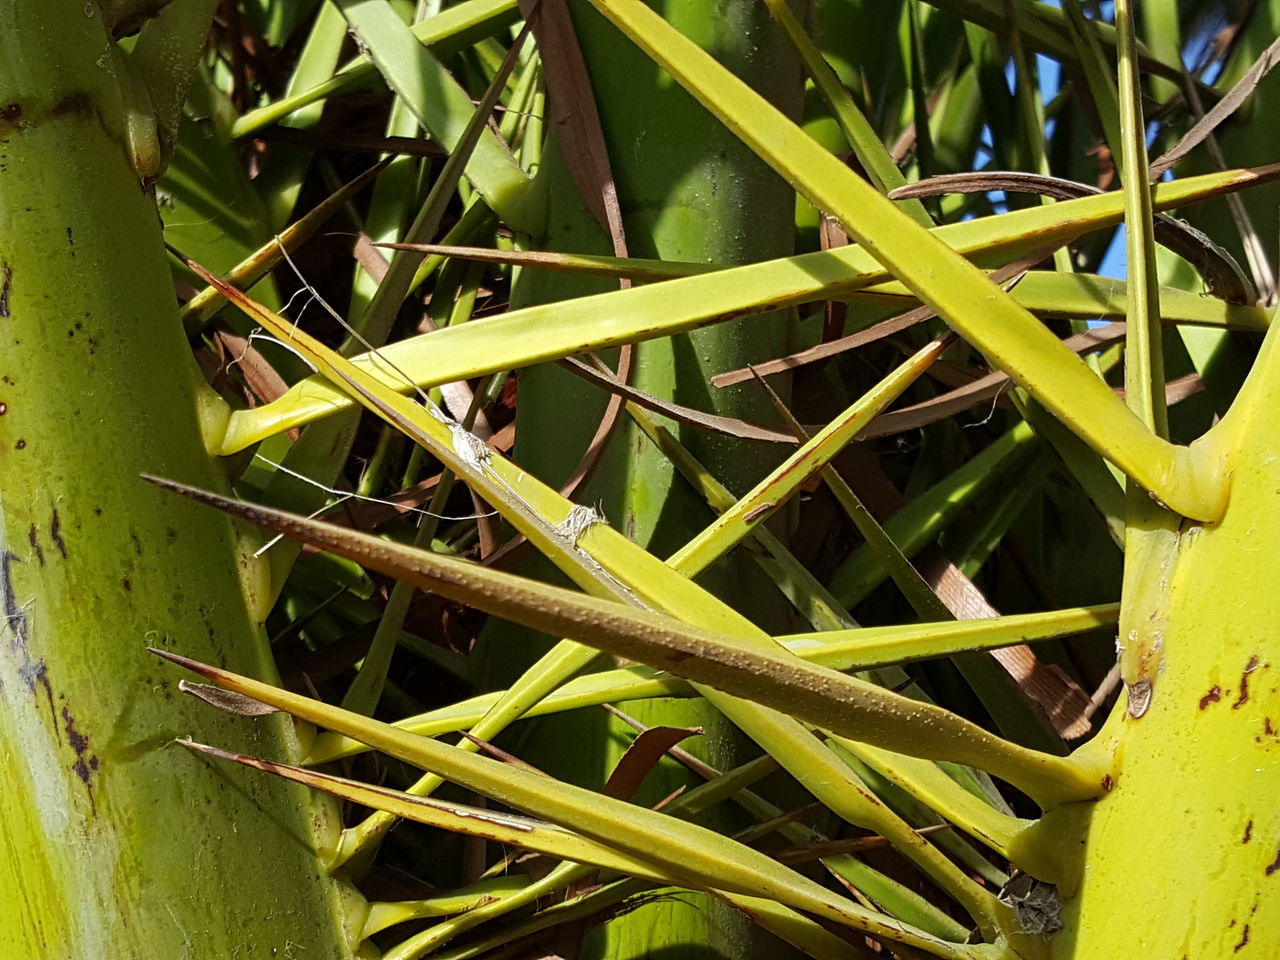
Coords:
pixel 255 763
pixel 195 666
pixel 214 751
pixel 254 513
pixel 232 293
pixel 186 490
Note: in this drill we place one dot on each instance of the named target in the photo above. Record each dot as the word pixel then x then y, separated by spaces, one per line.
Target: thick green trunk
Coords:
pixel 114 842
pixel 688 190
pixel 1182 857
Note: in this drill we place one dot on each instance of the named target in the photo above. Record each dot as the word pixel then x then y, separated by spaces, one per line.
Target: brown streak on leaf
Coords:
pixel 836 848
pixel 1251 666
pixel 195 666
pixel 595 449
pixel 1213 696
pixel 573 110
pixel 991 386
pixel 492 750
pixel 259 374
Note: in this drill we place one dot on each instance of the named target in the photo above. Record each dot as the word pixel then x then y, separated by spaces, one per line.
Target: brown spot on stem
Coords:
pixel 1275 864
pixel 6 285
pixel 128 586
pixel 78 741
pixel 195 666
pixel 1244 939
pixel 1248 832
pixel 86 763
pixel 34 674
pixel 1213 696
pixel 14 616
pixel 33 538
pixel 1241 700
pixel 55 533
pixel 20 445
pixel 1108 783
pixel 4 408
pixel 10 115
pixel 78 104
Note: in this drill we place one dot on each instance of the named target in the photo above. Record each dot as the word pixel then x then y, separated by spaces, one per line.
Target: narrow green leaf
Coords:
pixel 387 914
pixel 863 648
pixel 1098 74
pixel 1044 29
pixel 871 153
pixel 284 168
pixel 1047 293
pixel 1189 480
pixel 767 675
pixel 383 914
pixel 773 491
pixel 508 829
pixel 1144 351
pixel 698 857
pixel 929 784
pixel 205 305
pixel 925 516
pixel 440 104
pixel 461 23
pixel 547 332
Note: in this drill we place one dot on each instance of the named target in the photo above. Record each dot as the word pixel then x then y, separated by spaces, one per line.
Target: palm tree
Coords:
pixel 695 206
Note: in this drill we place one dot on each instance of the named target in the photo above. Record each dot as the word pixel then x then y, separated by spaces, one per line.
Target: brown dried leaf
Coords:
pixel 681 414
pixel 1221 273
pixel 227 701
pixel 641 757
pixel 572 108
pixel 573 111
pixel 1221 110
pixel 1010 272
pixel 260 376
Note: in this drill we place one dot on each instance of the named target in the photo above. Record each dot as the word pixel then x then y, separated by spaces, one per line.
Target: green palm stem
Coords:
pixel 112 844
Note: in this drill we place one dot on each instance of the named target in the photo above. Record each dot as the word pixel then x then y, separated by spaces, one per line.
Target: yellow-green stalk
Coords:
pixel 1190 829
